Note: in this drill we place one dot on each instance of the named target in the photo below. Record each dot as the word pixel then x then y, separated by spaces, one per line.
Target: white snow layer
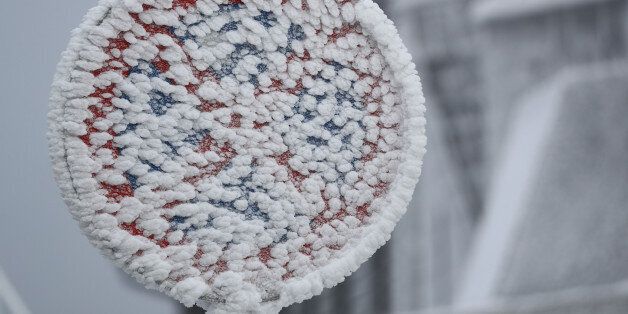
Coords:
pixel 489 10
pixel 90 178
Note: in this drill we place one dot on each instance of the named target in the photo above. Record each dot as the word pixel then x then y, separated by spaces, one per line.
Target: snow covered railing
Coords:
pixel 413 4
pixel 591 299
pixel 493 10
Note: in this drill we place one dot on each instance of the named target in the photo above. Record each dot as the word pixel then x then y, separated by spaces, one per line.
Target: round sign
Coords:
pixel 240 155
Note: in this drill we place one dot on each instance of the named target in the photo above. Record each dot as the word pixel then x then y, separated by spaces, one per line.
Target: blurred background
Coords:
pixel 522 206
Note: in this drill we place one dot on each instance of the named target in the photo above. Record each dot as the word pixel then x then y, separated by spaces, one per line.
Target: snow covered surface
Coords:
pixel 172 227
pixel 575 213
pixel 417 4
pixel 606 299
pixel 490 10
pixel 518 168
pixel 558 205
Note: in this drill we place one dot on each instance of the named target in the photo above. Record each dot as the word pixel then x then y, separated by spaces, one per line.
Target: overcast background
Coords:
pixel 52 266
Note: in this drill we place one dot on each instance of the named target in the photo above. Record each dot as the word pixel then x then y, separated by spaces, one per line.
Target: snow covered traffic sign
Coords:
pixel 240 155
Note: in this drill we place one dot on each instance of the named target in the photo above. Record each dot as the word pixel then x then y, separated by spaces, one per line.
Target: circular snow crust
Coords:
pixel 241 155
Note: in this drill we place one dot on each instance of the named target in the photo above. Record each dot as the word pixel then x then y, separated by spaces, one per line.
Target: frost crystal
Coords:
pixel 239 155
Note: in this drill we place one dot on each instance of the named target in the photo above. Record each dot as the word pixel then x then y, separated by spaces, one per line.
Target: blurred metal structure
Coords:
pixel 526 42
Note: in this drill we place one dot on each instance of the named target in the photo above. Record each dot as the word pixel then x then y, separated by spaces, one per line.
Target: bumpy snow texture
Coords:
pixel 240 155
